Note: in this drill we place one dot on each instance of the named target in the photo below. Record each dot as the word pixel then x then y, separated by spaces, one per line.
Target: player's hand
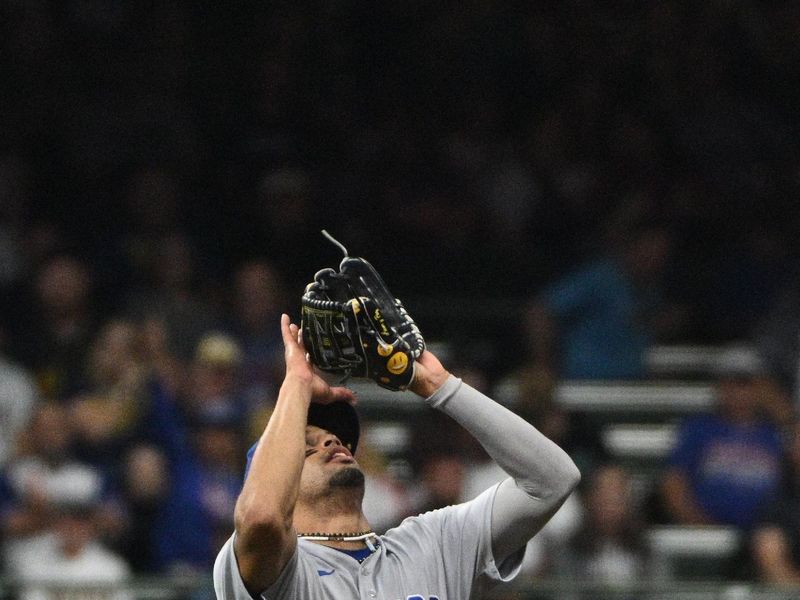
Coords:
pixel 299 368
pixel 429 375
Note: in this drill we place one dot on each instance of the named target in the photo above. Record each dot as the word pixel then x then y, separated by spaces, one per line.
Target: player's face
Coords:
pixel 328 463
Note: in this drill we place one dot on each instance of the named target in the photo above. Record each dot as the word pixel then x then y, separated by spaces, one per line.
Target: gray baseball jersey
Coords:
pixel 445 554
pixel 441 555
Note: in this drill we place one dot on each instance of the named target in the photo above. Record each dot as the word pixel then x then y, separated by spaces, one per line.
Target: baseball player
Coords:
pixel 300 532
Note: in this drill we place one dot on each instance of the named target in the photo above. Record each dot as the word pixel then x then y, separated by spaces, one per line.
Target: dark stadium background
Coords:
pixel 473 151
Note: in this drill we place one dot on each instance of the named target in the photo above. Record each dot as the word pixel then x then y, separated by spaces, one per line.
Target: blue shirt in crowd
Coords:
pixel 732 469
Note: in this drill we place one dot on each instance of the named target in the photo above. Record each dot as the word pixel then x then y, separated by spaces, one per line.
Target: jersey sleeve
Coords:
pixel 228 584
pixel 542 474
pixel 291 583
pixel 461 540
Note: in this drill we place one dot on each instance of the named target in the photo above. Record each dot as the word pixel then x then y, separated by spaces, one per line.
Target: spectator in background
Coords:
pixel 217 382
pixel 68 556
pixel 441 482
pixel 145 485
pixel 607 313
pixel 775 541
pixel 219 446
pixel 609 548
pixel 44 477
pixel 214 382
pixel 546 554
pixel 727 464
pixel 172 294
pixel 182 473
pixel 109 413
pixel 205 481
pixel 59 326
pixel 259 298
pixel 161 361
pixel 18 395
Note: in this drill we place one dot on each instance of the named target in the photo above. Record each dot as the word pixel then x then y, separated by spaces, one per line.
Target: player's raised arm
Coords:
pixel 304 480
pixel 265 538
pixel 354 326
pixel 543 475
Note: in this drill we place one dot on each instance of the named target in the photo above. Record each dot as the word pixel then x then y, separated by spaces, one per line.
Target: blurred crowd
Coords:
pixel 623 174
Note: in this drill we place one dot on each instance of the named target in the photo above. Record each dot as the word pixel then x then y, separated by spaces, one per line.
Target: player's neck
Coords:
pixel 331 503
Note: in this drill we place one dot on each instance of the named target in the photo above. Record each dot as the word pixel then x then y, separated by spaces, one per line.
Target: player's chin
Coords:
pixel 349 476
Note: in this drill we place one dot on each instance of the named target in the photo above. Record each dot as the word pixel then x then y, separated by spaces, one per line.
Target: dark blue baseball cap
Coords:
pixel 340 418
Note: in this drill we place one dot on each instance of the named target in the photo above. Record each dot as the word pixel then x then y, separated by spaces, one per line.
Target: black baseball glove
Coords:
pixel 352 325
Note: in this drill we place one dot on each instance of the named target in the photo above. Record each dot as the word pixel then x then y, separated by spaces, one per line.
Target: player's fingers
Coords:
pixel 299 336
pixel 286 331
pixel 343 394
